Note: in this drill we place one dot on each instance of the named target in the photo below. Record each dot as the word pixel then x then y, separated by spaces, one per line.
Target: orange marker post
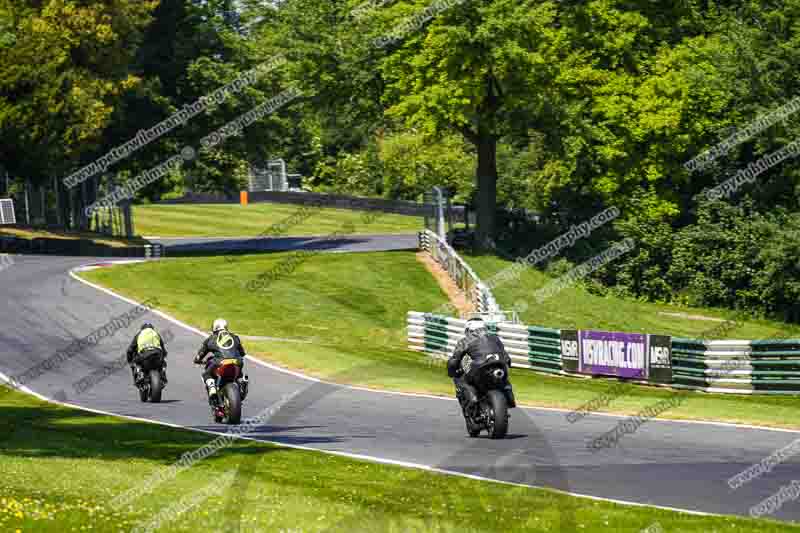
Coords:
pixel 243 197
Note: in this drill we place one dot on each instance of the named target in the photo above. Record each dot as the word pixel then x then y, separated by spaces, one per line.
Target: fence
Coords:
pixel 116 221
pixel 466 279
pixel 268 179
pixel 338 201
pixel 7 215
pixel 529 347
pixel 767 366
pixel 741 367
pixel 77 247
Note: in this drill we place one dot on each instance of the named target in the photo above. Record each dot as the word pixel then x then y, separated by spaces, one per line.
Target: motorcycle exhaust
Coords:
pixel 499 373
pixel 245 382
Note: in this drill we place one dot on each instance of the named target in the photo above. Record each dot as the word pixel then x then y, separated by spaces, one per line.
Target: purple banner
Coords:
pixel 613 354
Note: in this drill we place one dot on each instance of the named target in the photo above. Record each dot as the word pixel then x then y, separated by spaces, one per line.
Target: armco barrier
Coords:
pixel 744 367
pixel 73 247
pixel 337 201
pixel 725 366
pixel 459 271
pixel 529 347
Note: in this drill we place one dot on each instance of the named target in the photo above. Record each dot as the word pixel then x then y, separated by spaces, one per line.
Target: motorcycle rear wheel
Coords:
pixel 232 404
pixel 155 386
pixel 498 414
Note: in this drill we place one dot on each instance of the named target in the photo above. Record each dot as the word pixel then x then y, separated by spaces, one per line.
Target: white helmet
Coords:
pixel 219 324
pixel 473 325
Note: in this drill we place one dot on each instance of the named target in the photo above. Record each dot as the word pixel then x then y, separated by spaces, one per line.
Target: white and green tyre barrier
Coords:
pixel 739 366
pixel 723 366
pixel 529 346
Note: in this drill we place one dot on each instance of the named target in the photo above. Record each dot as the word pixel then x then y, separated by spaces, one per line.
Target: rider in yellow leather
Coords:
pixel 221 344
pixel 144 344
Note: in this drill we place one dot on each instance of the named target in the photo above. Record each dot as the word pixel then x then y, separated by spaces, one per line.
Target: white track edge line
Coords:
pixel 362 457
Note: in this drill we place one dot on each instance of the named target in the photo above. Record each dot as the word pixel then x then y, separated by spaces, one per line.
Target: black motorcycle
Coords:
pixel 489 375
pixel 151 376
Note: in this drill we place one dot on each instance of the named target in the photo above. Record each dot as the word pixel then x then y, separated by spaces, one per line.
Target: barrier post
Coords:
pixel 243 197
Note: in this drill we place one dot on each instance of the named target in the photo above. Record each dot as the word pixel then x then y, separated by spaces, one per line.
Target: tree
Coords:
pixel 478 69
pixel 64 67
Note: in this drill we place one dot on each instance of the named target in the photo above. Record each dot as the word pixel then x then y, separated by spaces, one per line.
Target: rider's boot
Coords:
pixel 509 393
pixel 138 375
pixel 164 373
pixel 211 387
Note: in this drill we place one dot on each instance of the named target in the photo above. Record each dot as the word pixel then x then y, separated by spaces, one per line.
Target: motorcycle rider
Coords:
pixel 477 342
pixel 144 344
pixel 221 344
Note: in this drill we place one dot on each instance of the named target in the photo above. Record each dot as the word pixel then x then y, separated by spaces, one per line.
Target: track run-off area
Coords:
pixel 669 464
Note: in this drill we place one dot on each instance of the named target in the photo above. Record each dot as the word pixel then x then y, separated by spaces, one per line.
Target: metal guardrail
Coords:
pixel 459 271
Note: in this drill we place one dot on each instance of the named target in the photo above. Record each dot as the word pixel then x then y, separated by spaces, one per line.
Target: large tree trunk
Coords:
pixel 486 181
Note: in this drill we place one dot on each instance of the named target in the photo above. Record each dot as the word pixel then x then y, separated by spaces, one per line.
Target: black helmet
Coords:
pixel 147 325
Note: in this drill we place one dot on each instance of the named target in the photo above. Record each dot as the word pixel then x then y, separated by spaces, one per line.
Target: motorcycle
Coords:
pixel 151 377
pixel 489 376
pixel 231 385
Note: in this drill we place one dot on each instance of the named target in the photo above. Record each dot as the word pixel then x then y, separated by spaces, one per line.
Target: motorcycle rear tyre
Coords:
pixel 155 386
pixel 498 406
pixel 232 402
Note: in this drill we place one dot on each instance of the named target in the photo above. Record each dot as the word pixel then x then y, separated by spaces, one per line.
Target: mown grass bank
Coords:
pixel 234 220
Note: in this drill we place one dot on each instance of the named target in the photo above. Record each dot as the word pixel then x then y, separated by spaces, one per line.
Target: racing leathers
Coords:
pixel 221 345
pixel 475 345
pixel 145 344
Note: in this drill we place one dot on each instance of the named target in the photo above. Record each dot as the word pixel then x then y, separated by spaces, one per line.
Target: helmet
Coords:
pixel 474 325
pixel 219 324
pixel 147 325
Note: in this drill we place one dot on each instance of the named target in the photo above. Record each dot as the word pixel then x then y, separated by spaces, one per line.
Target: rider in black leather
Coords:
pixel 476 344
pixel 221 344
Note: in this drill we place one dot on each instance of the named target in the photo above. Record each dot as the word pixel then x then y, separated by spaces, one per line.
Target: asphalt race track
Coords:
pixel 672 464
pixel 350 243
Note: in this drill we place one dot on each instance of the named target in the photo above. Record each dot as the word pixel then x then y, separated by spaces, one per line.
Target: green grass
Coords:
pixel 353 309
pixel 574 308
pixel 234 220
pixel 62 468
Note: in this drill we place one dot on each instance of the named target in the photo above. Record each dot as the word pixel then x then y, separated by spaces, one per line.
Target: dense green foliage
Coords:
pixel 565 108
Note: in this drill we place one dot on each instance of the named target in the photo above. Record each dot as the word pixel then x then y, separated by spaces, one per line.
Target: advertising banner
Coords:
pixel 624 355
pixel 613 354
pixel 570 351
pixel 660 358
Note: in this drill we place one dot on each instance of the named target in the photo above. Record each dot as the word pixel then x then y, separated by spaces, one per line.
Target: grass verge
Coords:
pixel 234 220
pixel 63 467
pixel 351 307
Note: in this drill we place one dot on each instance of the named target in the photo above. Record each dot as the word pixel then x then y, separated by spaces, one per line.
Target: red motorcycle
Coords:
pixel 231 386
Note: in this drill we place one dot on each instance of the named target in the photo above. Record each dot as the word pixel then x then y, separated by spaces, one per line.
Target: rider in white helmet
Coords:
pixel 221 344
pixel 477 342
